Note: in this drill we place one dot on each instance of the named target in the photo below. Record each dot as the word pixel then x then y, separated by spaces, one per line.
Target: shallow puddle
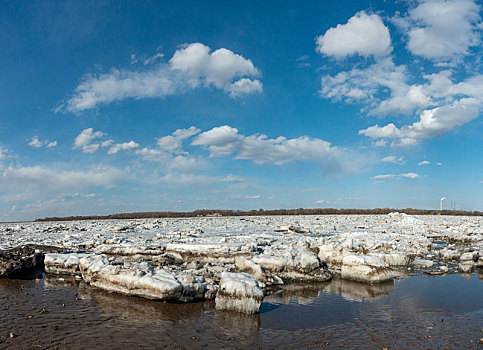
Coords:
pixel 416 312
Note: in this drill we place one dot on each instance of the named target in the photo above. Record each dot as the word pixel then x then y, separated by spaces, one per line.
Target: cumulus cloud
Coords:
pixel 191 66
pixel 217 68
pixel 174 143
pixel 84 139
pixel 122 146
pixel 441 86
pixel 220 141
pixel 170 151
pixel 225 140
pixel 245 86
pixel 364 34
pixel 396 176
pixel 372 84
pixel 424 162
pixel 442 29
pixel 432 122
pixel 438 30
pixel 35 142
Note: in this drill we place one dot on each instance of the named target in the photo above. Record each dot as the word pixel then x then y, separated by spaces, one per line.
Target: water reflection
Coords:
pixel 354 291
pixel 230 323
pixel 292 316
pixel 306 294
pixel 303 294
pixel 466 275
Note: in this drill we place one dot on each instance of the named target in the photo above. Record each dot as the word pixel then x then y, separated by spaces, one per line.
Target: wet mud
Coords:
pixel 417 312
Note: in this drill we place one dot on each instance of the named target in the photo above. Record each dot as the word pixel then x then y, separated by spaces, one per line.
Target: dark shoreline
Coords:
pixel 260 212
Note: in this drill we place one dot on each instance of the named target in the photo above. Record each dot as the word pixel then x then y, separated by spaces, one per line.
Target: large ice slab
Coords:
pixel 366 268
pixel 63 263
pixel 239 292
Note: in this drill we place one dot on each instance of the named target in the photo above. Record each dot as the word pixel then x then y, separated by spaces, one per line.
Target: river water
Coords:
pixel 417 312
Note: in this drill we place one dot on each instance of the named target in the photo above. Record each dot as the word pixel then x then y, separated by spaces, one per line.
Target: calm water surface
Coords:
pixel 416 312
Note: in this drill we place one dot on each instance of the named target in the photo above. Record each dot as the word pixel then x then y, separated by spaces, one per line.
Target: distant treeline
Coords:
pixel 261 212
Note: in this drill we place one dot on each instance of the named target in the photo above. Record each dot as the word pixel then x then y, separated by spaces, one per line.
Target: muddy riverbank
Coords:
pixel 416 312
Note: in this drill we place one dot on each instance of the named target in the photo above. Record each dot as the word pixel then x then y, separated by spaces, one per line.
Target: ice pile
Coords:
pixel 185 259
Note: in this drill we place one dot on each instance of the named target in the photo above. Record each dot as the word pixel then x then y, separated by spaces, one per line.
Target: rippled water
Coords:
pixel 415 312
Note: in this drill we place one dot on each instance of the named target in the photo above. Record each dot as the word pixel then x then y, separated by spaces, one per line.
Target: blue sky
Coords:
pixel 108 107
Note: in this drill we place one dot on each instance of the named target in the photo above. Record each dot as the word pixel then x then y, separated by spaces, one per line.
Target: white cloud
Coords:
pixel 372 84
pixel 396 176
pixel 380 143
pixel 170 151
pixel 218 68
pixel 442 29
pixel 393 159
pixel 383 88
pixel 413 98
pixel 441 86
pixel 122 146
pixel 225 140
pixel 84 139
pixel 424 162
pixel 303 61
pixel 389 159
pixel 107 143
pixel 174 143
pixel 220 141
pixel 90 149
pixel 153 58
pixel 432 123
pixel 245 86
pixel 183 134
pixel 175 179
pixel 363 34
pixel 230 178
pixel 3 153
pixel 35 142
pixel 40 176
pixel 187 163
pixel 191 66
pixel 153 154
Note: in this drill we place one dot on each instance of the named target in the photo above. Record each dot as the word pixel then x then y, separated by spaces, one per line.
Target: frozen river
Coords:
pixel 369 281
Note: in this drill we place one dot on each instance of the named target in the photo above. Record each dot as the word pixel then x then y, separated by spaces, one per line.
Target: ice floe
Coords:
pixel 239 292
pixel 185 259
